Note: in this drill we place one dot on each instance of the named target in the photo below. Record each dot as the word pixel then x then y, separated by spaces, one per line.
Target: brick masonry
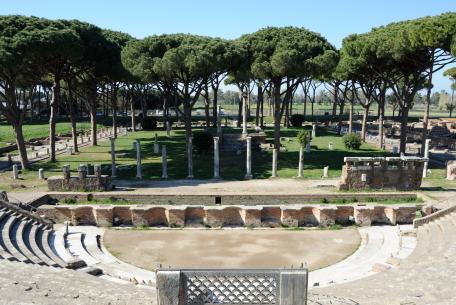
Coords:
pixel 220 216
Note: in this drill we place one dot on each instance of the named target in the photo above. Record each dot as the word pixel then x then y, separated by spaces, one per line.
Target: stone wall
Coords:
pixel 82 182
pixel 400 173
pixel 220 216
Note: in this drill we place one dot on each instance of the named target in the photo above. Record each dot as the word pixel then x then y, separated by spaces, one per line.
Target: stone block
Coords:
pixel 104 216
pixel 232 216
pixel 168 287
pixel 194 215
pixel 57 214
pixel 137 216
pixel 326 215
pixel 176 216
pixel 344 214
pixel 251 216
pixel 293 287
pixel 290 216
pixel 213 217
pixel 122 215
pixel 270 216
pixel 83 215
pixel 156 216
pixel 363 215
pixel 307 217
pixel 405 214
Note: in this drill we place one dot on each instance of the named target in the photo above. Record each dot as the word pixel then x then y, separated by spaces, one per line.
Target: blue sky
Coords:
pixel 334 19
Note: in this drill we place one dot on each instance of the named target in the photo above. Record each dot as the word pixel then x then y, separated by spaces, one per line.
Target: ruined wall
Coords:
pixel 222 216
pixel 404 173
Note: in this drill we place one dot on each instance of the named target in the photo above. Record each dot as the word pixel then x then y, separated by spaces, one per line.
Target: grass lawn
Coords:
pixel 232 165
pixel 37 129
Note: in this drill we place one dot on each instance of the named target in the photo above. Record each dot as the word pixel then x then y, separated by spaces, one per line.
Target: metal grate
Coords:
pixel 230 288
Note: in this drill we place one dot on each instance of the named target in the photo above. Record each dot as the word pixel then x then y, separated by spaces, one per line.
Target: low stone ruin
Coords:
pixel 400 173
pixel 81 182
pixel 451 170
pixel 222 216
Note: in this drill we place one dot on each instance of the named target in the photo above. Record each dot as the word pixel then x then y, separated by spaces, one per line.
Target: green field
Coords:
pixel 36 130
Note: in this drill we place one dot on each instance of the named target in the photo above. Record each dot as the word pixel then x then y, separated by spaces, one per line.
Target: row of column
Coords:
pixel 216 173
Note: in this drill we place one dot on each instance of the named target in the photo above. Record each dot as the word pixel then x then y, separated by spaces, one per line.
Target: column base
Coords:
pixel 248 177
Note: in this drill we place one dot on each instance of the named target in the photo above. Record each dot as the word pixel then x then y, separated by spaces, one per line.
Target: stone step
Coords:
pixel 48 249
pixel 3 250
pixel 30 243
pixel 22 247
pixel 40 237
pixel 7 232
pixel 34 236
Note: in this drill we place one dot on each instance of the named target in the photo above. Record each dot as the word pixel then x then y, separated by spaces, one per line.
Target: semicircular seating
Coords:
pixel 24 239
pixel 427 276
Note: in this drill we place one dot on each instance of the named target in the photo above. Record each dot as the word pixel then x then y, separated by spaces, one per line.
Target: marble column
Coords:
pixel 190 158
pixel 15 172
pixel 301 162
pixel 164 163
pixel 314 130
pixel 138 159
pixel 156 147
pixel 113 157
pixel 325 171
pixel 219 121
pixel 216 158
pixel 244 115
pixel 168 129
pixel 248 167
pixel 41 174
pixel 426 155
pixel 274 162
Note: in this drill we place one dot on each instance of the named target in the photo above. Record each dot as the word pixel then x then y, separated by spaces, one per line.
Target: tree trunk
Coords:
pixel 54 104
pixel 241 103
pixel 133 116
pixel 380 126
pixel 214 106
pixel 71 108
pixel 350 119
pixel 206 107
pixel 277 116
pixel 341 114
pixel 21 145
pixel 93 114
pixel 258 106
pixel 404 121
pixel 262 110
pixel 364 124
pixel 305 106
pixel 114 110
pixel 426 112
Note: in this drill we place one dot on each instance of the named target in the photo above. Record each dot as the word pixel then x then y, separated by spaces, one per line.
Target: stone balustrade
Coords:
pixel 400 173
pixel 220 216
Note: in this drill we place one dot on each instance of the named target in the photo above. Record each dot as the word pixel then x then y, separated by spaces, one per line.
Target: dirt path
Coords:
pixel 231 248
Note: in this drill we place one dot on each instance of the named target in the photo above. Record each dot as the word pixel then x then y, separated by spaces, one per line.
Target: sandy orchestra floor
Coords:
pixel 232 248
